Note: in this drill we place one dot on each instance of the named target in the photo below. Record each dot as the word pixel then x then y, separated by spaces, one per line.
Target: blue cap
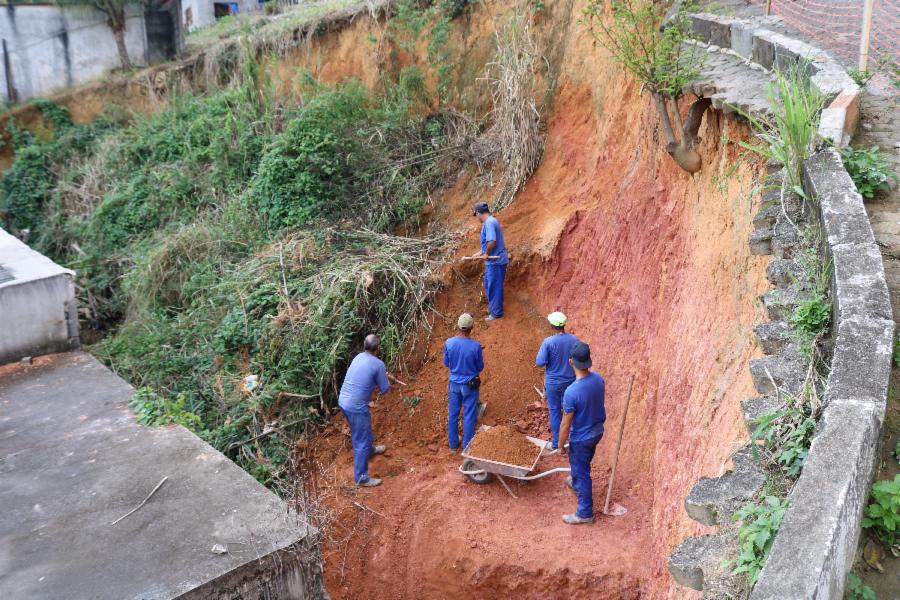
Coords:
pixel 581 356
pixel 480 207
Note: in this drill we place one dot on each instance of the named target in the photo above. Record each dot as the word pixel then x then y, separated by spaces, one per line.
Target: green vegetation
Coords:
pixel 882 517
pixel 856 590
pixel 869 170
pixel 231 235
pixel 788 136
pixel 860 76
pixel 657 54
pixel 152 409
pixel 759 522
pixel 812 316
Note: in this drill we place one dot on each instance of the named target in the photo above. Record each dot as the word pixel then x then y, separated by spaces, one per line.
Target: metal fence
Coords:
pixel 862 34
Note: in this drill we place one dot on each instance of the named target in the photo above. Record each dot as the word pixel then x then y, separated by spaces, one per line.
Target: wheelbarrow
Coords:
pixel 482 470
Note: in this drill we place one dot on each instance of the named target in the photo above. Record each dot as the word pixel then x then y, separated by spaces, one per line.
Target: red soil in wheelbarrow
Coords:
pixel 503 444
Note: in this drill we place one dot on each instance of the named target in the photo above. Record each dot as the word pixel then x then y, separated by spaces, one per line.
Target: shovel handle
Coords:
pixel 612 475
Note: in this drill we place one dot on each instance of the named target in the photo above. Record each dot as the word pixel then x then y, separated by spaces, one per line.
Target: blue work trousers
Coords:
pixel 493 287
pixel 554 393
pixel 362 438
pixel 580 456
pixel 465 398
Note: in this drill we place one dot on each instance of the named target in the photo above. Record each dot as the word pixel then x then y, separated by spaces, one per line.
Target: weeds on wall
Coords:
pixel 781 439
pixel 759 522
pixel 787 137
pixel 229 236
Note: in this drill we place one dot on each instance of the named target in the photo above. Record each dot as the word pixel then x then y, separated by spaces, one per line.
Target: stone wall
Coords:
pixel 815 546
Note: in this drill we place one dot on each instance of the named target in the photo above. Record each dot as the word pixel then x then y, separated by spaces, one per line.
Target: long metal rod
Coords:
pixel 612 475
pixel 866 35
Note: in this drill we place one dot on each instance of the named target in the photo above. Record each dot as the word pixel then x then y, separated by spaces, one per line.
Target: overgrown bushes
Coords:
pixel 228 236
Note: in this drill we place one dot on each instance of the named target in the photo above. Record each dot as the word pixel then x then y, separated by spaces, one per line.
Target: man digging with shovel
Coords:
pixel 366 372
pixel 582 426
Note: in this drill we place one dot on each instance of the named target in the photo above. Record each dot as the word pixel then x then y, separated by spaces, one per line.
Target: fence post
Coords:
pixel 866 35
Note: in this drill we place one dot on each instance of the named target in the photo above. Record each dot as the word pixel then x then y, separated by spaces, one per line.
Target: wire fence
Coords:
pixel 857 39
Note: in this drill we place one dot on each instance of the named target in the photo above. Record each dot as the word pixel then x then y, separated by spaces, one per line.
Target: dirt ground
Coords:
pixel 653 269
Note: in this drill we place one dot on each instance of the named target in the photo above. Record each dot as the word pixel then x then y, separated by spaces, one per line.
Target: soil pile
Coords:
pixel 503 444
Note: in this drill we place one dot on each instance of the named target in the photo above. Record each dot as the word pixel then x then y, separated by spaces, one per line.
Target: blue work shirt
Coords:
pixel 491 232
pixel 554 356
pixel 586 398
pixel 463 357
pixel 365 373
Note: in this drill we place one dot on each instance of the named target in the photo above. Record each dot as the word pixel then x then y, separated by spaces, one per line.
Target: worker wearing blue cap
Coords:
pixel 553 355
pixel 463 356
pixel 582 426
pixel 493 251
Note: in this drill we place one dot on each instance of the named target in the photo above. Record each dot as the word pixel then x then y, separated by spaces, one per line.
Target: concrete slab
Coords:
pixel 73 460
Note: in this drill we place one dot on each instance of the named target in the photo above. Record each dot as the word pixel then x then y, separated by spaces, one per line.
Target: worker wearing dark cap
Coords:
pixel 493 251
pixel 582 426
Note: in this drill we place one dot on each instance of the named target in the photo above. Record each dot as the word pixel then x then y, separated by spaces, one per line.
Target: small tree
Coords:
pixel 657 56
pixel 115 18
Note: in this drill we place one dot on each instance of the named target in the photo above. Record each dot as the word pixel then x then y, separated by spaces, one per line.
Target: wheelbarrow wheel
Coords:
pixel 481 478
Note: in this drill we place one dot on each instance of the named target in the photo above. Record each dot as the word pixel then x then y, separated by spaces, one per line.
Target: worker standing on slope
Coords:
pixel 366 372
pixel 582 426
pixel 463 356
pixel 493 251
pixel 553 355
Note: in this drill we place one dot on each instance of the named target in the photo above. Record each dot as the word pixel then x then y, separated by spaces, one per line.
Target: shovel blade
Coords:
pixel 616 510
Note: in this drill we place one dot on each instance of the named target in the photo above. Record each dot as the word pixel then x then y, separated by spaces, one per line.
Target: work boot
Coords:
pixel 491 318
pixel 574 519
pixel 370 482
pixel 378 450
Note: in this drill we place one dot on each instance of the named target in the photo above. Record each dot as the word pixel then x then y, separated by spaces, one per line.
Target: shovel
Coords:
pixel 617 510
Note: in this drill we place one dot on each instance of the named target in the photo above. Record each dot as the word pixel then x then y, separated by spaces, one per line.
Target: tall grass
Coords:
pixel 787 137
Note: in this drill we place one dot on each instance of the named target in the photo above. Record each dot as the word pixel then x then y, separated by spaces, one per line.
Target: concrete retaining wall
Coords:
pixel 38 312
pixel 815 547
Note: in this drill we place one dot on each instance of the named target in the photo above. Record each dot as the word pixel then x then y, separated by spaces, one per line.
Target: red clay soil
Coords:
pixel 653 269
pixel 503 444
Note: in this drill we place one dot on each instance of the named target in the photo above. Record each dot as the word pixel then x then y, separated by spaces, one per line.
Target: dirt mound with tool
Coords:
pixel 503 444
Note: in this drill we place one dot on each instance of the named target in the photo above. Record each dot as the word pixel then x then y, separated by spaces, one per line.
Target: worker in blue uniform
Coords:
pixel 582 426
pixel 495 256
pixel 366 373
pixel 463 356
pixel 553 355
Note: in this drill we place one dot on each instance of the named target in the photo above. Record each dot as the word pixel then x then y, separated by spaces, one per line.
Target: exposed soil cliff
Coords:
pixel 653 269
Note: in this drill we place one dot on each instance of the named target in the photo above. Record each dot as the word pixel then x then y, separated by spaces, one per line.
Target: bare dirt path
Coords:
pixel 429 533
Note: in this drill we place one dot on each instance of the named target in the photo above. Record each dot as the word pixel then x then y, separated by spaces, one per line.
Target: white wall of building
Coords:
pixel 38 311
pixel 55 47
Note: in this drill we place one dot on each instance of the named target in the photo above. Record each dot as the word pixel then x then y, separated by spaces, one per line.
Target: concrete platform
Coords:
pixel 73 460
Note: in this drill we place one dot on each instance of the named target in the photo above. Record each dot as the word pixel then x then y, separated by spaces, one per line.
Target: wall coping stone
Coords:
pixel 816 544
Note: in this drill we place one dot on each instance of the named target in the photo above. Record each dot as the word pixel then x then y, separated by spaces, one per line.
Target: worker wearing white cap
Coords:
pixel 463 356
pixel 558 375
